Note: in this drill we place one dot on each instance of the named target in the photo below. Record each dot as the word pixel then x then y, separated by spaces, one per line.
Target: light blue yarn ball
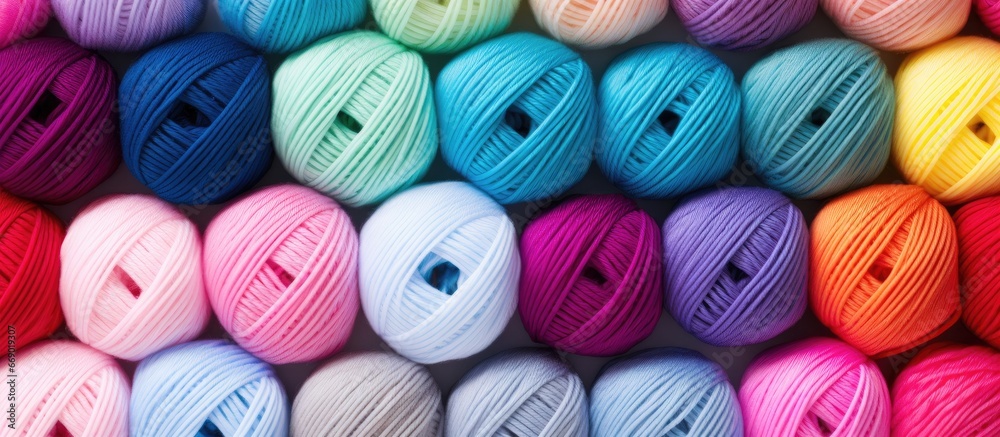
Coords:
pixel 664 392
pixel 282 26
pixel 817 118
pixel 669 120
pixel 518 117
pixel 206 389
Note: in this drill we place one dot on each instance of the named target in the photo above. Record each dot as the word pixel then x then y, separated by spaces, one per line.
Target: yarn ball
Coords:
pixel 743 25
pixel 281 273
pixel 978 255
pixel 131 277
pixel 814 387
pixel 368 393
pixel 525 392
pixel 518 117
pixel 591 282
pixel 59 132
pixel 817 118
pixel 443 27
pixel 669 120
pixel 664 391
pixel 354 117
pixel 20 19
pixel 884 268
pixel 207 388
pixel 945 138
pixel 68 389
pixel 595 24
pixel 899 25
pixel 439 270
pixel 195 119
pixel 119 26
pixel 948 389
pixel 989 13
pixel 281 26
pixel 737 262
pixel 30 238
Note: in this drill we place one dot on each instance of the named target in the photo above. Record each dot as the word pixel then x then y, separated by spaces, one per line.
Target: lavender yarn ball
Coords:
pixel 743 24
pixel 736 265
pixel 127 26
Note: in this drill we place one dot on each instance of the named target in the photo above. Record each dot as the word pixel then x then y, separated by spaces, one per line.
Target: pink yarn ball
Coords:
pixel 814 387
pixel 948 390
pixel 281 268
pixel 989 12
pixel 131 280
pixel 21 19
pixel 899 25
pixel 68 389
pixel 595 24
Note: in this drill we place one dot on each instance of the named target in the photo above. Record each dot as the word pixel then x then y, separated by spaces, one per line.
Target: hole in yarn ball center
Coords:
pixel 594 275
pixel 824 428
pixel 60 431
pixel 187 115
pixel 127 281
pixel 736 273
pixel 669 120
pixel 443 276
pixel 283 276
pixel 819 116
pixel 879 272
pixel 348 122
pixel 208 429
pixel 982 130
pixel 44 110
pixel 518 121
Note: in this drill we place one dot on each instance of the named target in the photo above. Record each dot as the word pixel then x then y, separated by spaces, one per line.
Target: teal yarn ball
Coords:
pixel 354 117
pixel 434 26
pixel 669 120
pixel 817 118
pixel 518 117
pixel 281 26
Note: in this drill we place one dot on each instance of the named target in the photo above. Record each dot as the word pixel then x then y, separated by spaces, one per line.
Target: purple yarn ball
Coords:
pixel 128 26
pixel 736 265
pixel 743 24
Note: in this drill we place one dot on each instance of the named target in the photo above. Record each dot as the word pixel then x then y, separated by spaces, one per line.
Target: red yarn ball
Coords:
pixel 979 266
pixel 591 276
pixel 29 269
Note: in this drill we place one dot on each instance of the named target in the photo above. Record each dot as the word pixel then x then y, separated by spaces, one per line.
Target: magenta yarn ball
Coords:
pixel 21 19
pixel 127 25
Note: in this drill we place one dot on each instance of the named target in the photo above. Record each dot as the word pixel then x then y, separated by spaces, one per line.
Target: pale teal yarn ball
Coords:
pixel 435 26
pixel 354 117
pixel 669 121
pixel 817 118
pixel 518 117
pixel 281 26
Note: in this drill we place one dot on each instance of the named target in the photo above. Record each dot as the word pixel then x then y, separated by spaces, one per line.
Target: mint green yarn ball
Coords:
pixel 353 117
pixel 434 26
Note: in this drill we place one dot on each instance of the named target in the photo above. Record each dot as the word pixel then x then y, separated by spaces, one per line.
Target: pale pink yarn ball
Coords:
pixel 899 25
pixel 21 19
pixel 131 279
pixel 594 24
pixel 281 269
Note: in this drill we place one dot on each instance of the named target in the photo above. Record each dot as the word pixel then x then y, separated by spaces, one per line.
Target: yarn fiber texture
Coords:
pixel 525 392
pixel 518 117
pixel 282 26
pixel 664 391
pixel 58 126
pixel 66 388
pixel 899 25
pixel 354 117
pixel 120 26
pixel 979 254
pixel 368 393
pixel 207 388
pixel 439 271
pixel 947 120
pixel 20 19
pixel 884 268
pixel 443 27
pixel 743 25
pixel 595 24
pixel 814 387
pixel 131 279
pixel 817 118
pixel 669 120
pixel 195 119
pixel 30 238
pixel 591 283
pixel 737 263
pixel 989 13
pixel 281 273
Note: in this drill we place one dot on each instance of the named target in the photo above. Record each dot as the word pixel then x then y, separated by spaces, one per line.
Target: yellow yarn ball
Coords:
pixel 948 119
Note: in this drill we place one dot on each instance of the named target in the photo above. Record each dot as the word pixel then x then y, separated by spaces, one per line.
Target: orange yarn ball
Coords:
pixel 884 273
pixel 979 265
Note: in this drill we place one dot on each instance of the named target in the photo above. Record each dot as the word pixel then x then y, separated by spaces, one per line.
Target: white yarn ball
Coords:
pixel 521 392
pixel 439 269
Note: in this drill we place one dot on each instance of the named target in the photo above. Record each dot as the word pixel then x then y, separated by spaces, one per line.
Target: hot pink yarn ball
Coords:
pixel 131 277
pixel 948 390
pixel 899 25
pixel 595 24
pixel 989 12
pixel 591 276
pixel 68 389
pixel 814 387
pixel 281 268
pixel 21 19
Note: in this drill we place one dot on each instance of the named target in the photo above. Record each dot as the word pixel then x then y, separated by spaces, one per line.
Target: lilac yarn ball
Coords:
pixel 743 24
pixel 127 26
pixel 736 265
